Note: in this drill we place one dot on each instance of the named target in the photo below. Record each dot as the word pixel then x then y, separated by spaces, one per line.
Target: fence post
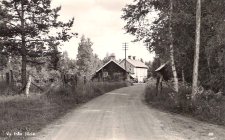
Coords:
pixel 63 79
pixel 76 80
pixel 7 78
pixel 2 77
pixel 11 76
pixel 28 85
pixel 99 77
pixel 85 80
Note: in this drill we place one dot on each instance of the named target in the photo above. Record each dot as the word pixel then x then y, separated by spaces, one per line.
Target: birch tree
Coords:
pixel 171 48
pixel 85 57
pixel 196 55
pixel 157 35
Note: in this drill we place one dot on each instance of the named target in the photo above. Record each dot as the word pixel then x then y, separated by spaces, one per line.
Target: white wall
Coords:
pixel 139 73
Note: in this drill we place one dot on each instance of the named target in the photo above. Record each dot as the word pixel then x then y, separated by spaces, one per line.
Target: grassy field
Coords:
pixel 209 107
pixel 21 114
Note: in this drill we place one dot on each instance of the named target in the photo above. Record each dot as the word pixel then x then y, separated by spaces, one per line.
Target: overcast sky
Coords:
pixel 100 21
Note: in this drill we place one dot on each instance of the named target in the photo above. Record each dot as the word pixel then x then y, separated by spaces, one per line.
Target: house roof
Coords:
pixel 107 64
pixel 136 63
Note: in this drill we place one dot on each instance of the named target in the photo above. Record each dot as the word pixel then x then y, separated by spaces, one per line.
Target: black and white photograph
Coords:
pixel 112 69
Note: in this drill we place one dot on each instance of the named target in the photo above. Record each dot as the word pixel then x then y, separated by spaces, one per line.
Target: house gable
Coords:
pixel 109 68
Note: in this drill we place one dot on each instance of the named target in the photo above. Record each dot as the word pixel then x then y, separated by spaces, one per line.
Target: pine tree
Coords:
pixel 28 27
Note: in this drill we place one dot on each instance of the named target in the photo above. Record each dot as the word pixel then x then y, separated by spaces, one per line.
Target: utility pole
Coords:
pixel 125 48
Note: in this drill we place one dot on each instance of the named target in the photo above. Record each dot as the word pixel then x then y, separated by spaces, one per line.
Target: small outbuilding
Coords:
pixel 111 71
pixel 163 70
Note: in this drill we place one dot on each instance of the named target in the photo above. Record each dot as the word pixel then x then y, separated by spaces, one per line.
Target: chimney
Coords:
pixel 112 57
pixel 129 57
pixel 134 57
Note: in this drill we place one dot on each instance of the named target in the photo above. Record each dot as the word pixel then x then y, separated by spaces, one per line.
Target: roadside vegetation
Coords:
pixel 189 48
pixel 21 114
pixel 188 40
pixel 38 82
pixel 209 106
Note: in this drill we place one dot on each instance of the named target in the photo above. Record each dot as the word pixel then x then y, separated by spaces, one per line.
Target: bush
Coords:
pixel 19 113
pixel 209 106
pixel 8 89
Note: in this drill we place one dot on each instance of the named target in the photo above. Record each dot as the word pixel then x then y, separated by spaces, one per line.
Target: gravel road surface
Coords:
pixel 123 115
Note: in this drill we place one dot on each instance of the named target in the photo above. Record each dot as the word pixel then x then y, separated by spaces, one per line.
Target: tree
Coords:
pixel 3 61
pixel 3 57
pixel 27 31
pixel 196 56
pixel 171 48
pixel 136 15
pixel 156 35
pixel 85 57
pixel 53 54
pixel 97 63
pixel 108 57
pixel 149 64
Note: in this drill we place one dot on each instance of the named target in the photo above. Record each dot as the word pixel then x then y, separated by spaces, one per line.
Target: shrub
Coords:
pixel 8 89
pixel 209 106
pixel 19 113
pixel 82 92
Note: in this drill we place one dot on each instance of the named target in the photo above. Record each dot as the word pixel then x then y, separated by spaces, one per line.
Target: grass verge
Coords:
pixel 20 115
pixel 209 106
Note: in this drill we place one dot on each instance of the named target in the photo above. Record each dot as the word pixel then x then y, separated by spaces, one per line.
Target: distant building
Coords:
pixel 111 71
pixel 136 68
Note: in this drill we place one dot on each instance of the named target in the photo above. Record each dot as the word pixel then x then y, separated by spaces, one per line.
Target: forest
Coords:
pixel 31 45
pixel 39 82
pixel 188 40
pixel 176 27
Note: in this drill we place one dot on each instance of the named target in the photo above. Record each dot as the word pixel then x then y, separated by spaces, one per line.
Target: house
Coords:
pixel 111 71
pixel 136 68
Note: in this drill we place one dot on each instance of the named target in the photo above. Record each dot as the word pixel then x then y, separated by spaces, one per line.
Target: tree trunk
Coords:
pixel 28 86
pixel 196 56
pixel 183 77
pixel 160 84
pixel 223 69
pixel 7 78
pixel 171 49
pixel 23 49
pixel 157 84
pixel 208 65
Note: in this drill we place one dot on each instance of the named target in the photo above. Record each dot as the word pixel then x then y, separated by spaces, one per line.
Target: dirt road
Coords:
pixel 123 115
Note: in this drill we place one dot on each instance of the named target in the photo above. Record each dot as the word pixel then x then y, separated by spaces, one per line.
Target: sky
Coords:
pixel 100 20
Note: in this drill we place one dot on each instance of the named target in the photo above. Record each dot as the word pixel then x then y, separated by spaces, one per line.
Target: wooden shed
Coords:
pixel 109 71
pixel 163 70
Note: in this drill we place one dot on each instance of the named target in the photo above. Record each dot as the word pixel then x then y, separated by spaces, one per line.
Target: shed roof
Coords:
pixel 161 67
